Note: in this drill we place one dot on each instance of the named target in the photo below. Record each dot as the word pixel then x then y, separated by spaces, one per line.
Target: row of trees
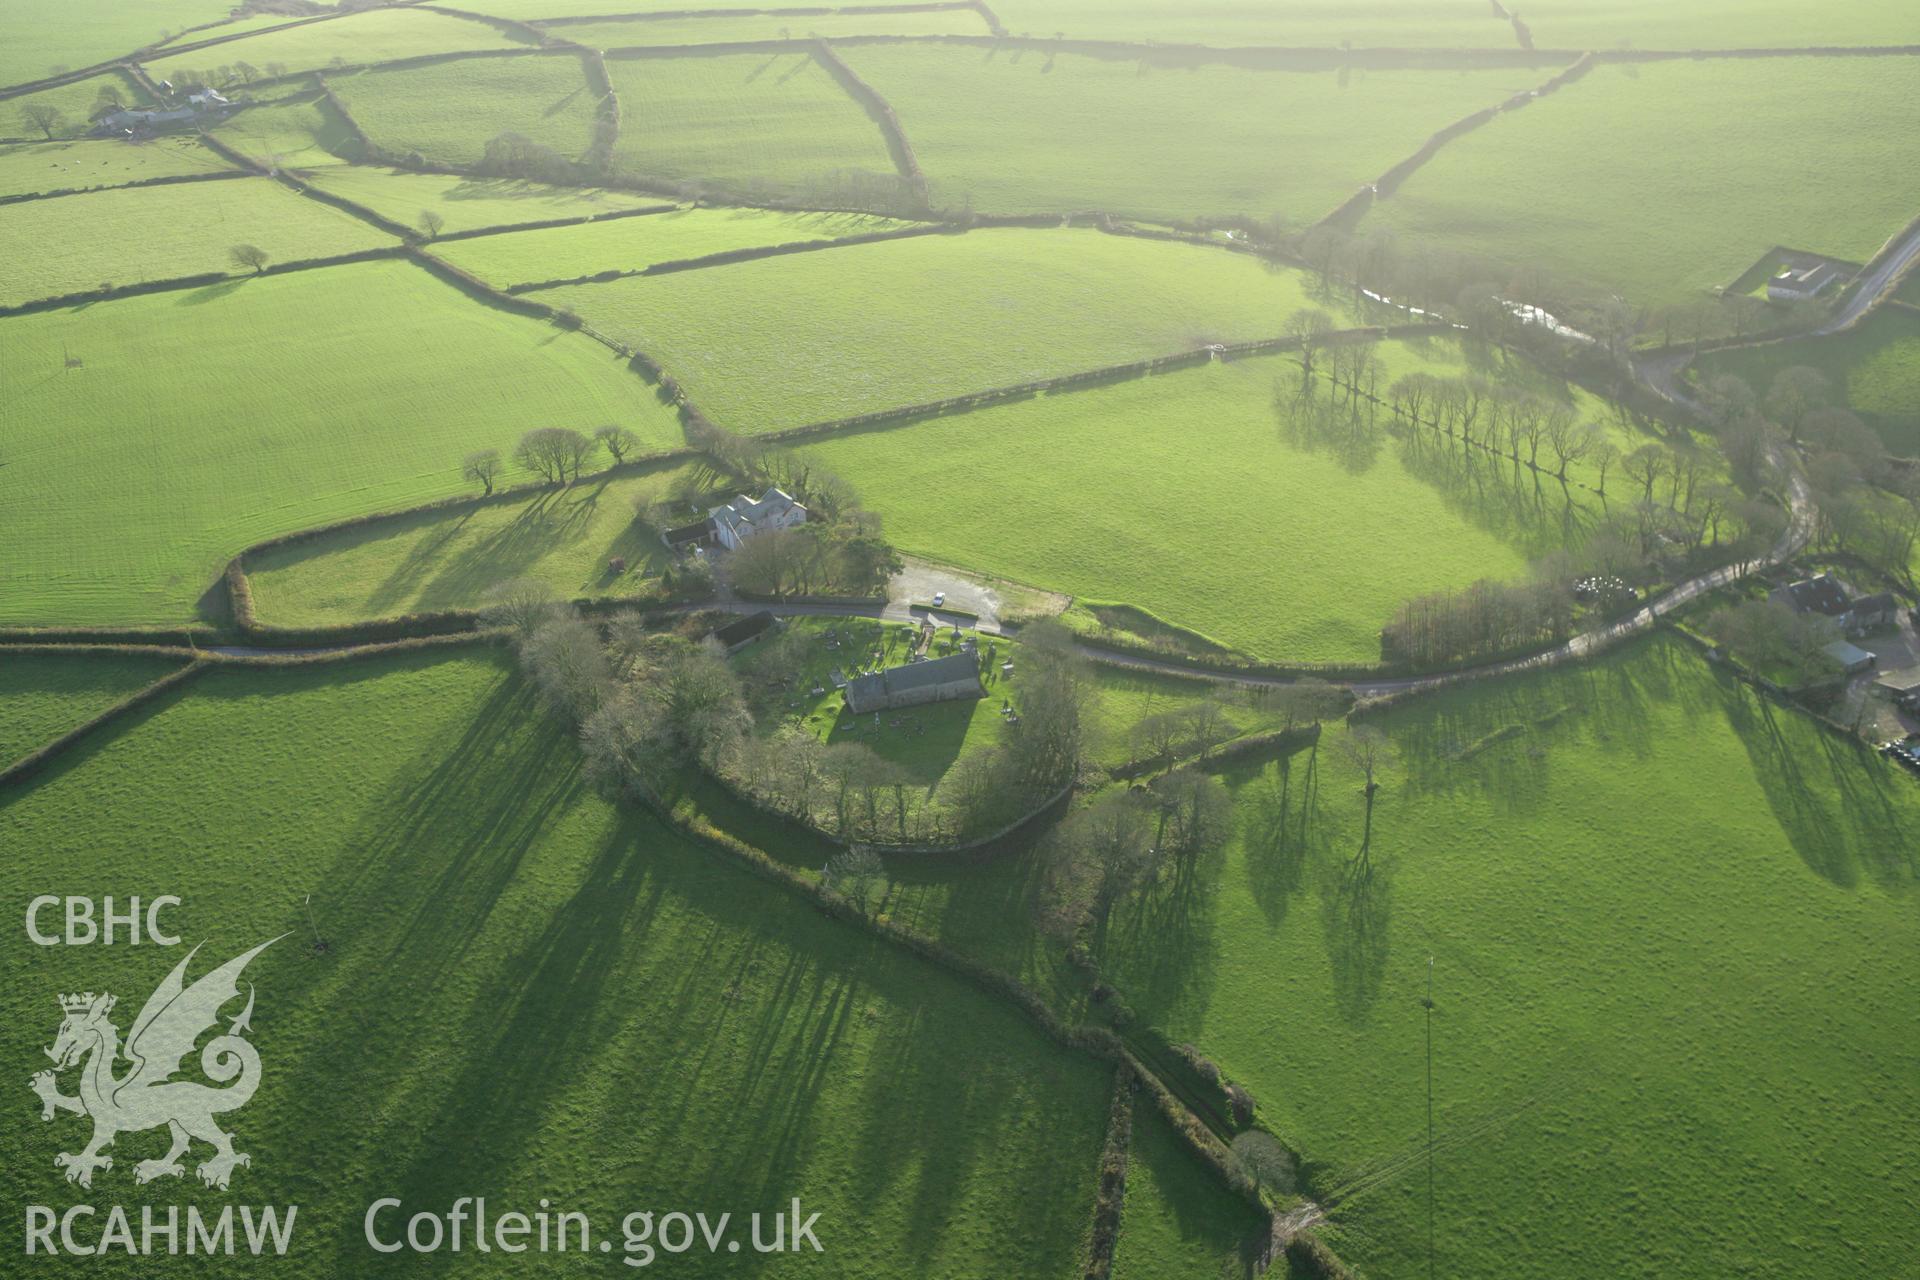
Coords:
pixel 558 455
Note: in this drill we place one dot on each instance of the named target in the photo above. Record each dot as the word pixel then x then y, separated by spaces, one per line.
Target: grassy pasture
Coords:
pixel 1664 180
pixel 75 166
pixel 1366 24
pixel 448 559
pixel 1668 923
pixel 631 244
pixel 617 1020
pixel 43 39
pixel 777 124
pixel 160 233
pixel 450 110
pixel 45 695
pixel 1715 24
pixel 1025 132
pixel 1286 548
pixel 376 35
pixel 212 438
pixel 467 204
pixel 293 135
pixel 1873 370
pixel 251 24
pixel 768 26
pixel 908 321
pixel 74 102
pixel 1176 1220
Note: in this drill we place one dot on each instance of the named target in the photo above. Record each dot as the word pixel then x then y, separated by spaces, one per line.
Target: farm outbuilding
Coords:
pixel 741 632
pixel 936 680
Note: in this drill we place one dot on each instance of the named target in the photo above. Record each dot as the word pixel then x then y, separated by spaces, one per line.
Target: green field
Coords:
pixel 44 695
pixel 217 440
pixel 1452 24
pixel 449 111
pixel 768 25
pixel 1715 24
pixel 632 244
pixel 1027 132
pixel 80 166
pixel 378 35
pixel 1663 181
pixel 75 103
pixel 469 204
pixel 909 321
pixel 294 135
pixel 43 39
pixel 529 993
pixel 1177 1220
pixel 449 559
pixel 124 237
pixel 1663 916
pixel 1194 466
pixel 1873 370
pixel 762 124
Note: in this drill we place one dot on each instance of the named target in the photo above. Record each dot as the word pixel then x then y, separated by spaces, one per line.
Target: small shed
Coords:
pixel 1852 658
pixel 1870 613
pixel 741 632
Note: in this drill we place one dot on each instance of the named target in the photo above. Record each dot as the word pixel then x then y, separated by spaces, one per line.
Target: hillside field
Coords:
pixel 449 559
pixel 1026 132
pixel 469 203
pixel 909 321
pixel 770 24
pixel 761 124
pixel 617 1018
pixel 77 243
pixel 376 35
pixel 45 39
pixel 44 695
pixel 1196 465
pixel 222 441
pixel 449 111
pixel 80 166
pixel 633 244
pixel 1663 180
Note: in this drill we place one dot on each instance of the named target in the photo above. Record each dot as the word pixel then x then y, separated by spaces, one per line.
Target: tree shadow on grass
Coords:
pixel 1278 828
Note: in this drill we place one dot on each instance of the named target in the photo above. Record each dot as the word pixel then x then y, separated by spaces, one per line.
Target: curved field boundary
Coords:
pixel 1382 187
pixel 997 27
pixel 727 257
pixel 165 181
pixel 606 112
pixel 339 108
pixel 883 115
pixel 1110 1196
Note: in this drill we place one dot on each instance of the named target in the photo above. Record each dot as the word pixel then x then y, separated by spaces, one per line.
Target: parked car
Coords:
pixel 939 598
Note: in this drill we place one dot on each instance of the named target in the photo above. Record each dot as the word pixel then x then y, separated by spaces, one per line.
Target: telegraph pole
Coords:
pixel 1429 1003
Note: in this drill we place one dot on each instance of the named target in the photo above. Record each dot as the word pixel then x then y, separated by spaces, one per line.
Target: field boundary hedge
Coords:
pixel 795 11
pixel 547 224
pixel 511 27
pixel 202 280
pixel 1390 181
pixel 34 761
pixel 166 180
pixel 883 114
pixel 727 257
pixel 1111 1193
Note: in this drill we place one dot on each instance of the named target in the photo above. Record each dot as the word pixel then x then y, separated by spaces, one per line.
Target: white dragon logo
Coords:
pixel 146 1097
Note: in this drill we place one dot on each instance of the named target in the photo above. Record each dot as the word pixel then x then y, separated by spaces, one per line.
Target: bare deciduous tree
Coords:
pixel 618 441
pixel 250 256
pixel 432 223
pixel 482 467
pixel 42 116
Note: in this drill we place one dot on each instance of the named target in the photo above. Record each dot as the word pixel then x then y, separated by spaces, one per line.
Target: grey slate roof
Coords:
pixel 914 675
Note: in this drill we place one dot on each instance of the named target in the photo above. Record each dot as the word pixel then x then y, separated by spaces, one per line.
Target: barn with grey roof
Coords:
pixel 936 680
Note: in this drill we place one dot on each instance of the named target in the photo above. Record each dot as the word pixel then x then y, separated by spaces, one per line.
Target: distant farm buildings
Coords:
pixel 1827 596
pixel 1802 283
pixel 948 679
pixel 136 120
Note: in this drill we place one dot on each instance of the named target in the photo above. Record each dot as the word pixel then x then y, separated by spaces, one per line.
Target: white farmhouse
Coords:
pixel 740 519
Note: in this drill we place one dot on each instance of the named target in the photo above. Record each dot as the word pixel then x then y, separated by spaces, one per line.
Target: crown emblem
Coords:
pixel 80 1002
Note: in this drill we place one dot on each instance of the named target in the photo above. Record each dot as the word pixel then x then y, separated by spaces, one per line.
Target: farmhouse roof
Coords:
pixel 1851 657
pixel 686 533
pixel 1879 601
pixel 1900 683
pixel 1822 594
pixel 746 514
